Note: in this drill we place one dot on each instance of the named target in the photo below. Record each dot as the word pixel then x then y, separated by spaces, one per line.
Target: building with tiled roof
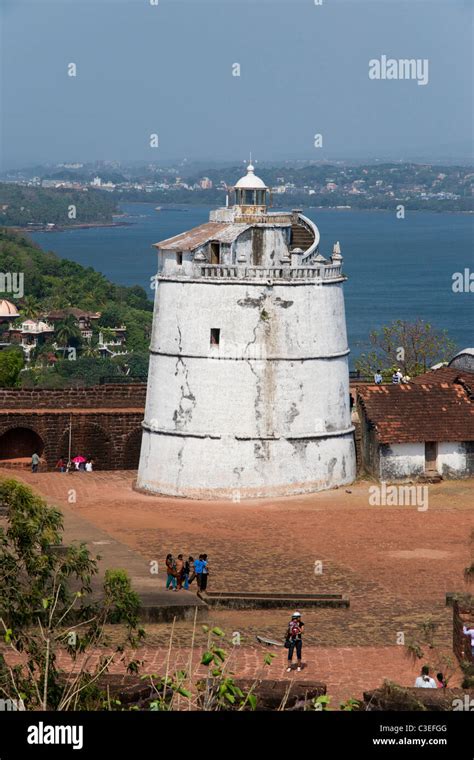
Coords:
pixel 417 428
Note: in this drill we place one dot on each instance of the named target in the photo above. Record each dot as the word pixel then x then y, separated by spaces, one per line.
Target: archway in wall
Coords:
pixel 19 443
pixel 88 440
pixel 132 450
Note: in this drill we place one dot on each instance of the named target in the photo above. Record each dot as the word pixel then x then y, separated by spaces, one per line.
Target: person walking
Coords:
pixel 294 640
pixel 171 573
pixel 424 681
pixel 35 460
pixel 205 572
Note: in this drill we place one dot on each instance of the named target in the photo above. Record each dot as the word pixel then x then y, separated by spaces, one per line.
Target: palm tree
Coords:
pixel 67 333
pixel 31 307
pixel 90 350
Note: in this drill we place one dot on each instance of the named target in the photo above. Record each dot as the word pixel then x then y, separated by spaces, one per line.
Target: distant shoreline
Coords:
pixel 81 226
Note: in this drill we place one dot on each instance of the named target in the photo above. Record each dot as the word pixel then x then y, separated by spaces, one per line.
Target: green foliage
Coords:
pixel 11 364
pixel 125 601
pixel 46 606
pixel 54 283
pixel 350 705
pixel 67 333
pixel 411 346
pixel 50 206
pixel 219 691
pixel 321 703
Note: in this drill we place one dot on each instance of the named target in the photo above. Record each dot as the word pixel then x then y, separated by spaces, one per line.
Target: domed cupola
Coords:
pixel 251 193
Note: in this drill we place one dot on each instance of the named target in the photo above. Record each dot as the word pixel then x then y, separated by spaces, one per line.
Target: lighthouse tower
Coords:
pixel 248 387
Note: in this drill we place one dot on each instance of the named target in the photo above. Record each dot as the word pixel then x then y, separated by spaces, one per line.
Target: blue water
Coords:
pixel 397 269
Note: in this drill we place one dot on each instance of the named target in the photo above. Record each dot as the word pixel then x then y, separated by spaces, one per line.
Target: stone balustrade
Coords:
pixel 236 272
pixel 223 271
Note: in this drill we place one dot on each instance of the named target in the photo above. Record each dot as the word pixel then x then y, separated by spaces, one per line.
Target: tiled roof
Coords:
pixel 441 375
pixel 72 311
pixel 411 413
pixel 224 232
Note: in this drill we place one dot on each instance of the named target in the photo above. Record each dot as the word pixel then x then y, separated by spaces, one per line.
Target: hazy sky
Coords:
pixel 167 69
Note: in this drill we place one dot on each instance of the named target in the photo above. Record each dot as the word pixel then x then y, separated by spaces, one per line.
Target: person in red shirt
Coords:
pixel 294 640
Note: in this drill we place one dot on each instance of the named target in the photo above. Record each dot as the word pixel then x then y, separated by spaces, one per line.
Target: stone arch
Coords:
pixel 89 440
pixel 20 442
pixel 132 450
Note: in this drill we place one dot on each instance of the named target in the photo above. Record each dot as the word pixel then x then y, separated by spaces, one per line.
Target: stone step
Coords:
pixel 248 600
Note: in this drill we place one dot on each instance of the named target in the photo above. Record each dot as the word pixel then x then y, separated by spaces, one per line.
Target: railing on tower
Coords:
pixel 219 271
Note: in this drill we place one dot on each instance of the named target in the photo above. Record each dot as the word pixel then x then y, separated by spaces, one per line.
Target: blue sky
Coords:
pixel 167 69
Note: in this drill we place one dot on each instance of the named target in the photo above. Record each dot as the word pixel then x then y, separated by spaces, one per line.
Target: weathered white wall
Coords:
pixel 280 372
pixel 229 468
pixel 402 460
pixel 452 460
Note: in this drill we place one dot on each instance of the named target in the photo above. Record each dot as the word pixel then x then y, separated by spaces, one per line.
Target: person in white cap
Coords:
pixel 294 640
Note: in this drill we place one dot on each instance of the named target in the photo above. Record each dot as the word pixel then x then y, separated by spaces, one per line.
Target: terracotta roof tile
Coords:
pixel 224 232
pixel 419 412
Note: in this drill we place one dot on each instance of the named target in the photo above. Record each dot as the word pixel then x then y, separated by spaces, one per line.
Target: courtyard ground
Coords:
pixel 396 564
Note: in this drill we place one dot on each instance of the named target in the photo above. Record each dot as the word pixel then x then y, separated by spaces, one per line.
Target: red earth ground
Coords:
pixel 396 564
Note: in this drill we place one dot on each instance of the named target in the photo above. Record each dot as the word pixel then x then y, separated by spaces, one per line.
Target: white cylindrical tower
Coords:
pixel 248 388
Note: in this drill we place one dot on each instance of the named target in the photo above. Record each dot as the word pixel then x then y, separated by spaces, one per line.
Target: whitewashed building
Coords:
pixel 248 386
pixel 419 429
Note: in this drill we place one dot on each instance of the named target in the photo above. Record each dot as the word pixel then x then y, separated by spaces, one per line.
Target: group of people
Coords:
pixel 77 464
pixel 397 377
pixel 424 680
pixel 182 572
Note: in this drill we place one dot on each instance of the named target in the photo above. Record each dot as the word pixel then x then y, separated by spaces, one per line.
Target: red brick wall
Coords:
pixel 111 434
pixel 119 395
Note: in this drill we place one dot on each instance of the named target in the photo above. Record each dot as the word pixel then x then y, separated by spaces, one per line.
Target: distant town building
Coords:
pixel 83 319
pixel 30 334
pixel 205 183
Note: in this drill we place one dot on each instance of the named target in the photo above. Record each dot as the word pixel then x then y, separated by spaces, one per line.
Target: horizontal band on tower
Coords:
pixel 185 434
pixel 252 358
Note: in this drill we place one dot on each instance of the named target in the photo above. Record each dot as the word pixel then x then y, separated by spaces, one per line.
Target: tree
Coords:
pixel 46 607
pixel 411 346
pixel 12 361
pixel 30 307
pixel 67 333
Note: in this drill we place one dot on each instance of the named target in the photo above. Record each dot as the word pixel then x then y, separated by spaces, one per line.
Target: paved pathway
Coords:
pixel 347 671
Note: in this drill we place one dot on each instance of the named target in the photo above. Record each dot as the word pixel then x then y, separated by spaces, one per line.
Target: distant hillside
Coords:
pixel 54 283
pixel 20 205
